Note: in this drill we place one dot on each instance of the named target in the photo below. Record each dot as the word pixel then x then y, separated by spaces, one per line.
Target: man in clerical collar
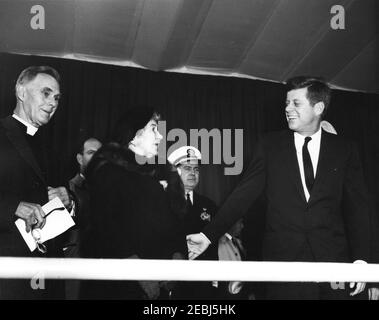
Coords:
pixel 25 186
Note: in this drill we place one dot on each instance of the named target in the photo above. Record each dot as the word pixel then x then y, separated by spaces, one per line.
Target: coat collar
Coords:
pixel 325 160
pixel 78 180
pixel 17 138
pixel 290 161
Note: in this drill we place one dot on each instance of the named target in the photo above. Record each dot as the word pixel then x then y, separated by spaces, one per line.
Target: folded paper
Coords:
pixel 58 220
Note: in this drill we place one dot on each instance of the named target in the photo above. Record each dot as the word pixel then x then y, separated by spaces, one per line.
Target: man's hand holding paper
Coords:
pixel 55 220
pixel 32 214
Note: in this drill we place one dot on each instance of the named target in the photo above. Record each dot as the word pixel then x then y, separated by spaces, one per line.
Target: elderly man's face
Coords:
pixel 190 173
pixel 40 99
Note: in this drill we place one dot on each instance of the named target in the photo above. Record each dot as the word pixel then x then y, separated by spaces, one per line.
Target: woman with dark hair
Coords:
pixel 130 214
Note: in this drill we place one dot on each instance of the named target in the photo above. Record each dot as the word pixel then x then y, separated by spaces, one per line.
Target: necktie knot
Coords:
pixel 188 199
pixel 306 140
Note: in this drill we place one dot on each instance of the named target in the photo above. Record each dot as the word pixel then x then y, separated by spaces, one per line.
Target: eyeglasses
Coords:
pixel 36 233
pixel 189 169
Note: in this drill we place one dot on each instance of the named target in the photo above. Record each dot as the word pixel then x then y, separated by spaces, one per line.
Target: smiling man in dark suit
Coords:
pixel 317 200
pixel 24 184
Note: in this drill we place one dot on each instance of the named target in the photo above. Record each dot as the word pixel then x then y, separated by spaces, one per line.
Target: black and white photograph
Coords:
pixel 193 156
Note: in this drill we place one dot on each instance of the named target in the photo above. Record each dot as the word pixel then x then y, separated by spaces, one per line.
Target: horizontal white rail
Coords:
pixel 135 269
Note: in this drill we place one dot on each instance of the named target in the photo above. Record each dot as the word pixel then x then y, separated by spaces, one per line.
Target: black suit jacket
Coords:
pixel 333 224
pixel 21 179
pixel 196 217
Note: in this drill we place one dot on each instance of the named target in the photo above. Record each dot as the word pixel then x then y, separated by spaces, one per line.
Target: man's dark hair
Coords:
pixel 79 148
pixel 318 89
pixel 30 73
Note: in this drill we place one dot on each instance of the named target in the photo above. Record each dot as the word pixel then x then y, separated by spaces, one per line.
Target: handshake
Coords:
pixel 197 244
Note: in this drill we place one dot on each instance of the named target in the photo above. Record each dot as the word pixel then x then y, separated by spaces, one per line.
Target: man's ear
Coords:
pixel 319 108
pixel 20 92
pixel 79 158
pixel 179 171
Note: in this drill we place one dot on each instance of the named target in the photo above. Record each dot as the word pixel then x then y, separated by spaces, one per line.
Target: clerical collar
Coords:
pixel 30 129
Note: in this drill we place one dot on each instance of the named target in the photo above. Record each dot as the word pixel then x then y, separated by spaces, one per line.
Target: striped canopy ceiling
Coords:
pixel 262 39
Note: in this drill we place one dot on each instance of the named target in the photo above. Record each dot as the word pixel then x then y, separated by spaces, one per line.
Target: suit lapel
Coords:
pixel 194 204
pixel 17 138
pixel 195 199
pixel 290 159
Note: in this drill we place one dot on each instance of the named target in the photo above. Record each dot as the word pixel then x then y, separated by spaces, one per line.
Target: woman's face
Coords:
pixel 148 139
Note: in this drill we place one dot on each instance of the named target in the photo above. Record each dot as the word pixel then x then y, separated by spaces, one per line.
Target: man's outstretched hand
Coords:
pixel 197 244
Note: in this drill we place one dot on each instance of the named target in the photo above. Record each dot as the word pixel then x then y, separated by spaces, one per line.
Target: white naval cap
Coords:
pixel 183 154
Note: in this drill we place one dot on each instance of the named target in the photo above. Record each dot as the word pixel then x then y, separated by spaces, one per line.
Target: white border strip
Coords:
pixel 133 269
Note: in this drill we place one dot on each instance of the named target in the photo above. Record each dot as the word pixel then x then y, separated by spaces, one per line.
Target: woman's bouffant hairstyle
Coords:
pixel 131 122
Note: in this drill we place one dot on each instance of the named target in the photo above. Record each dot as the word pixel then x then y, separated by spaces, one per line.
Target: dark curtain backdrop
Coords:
pixel 95 95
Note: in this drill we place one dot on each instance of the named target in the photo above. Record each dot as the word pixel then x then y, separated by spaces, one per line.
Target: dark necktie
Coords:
pixel 188 200
pixel 239 247
pixel 308 168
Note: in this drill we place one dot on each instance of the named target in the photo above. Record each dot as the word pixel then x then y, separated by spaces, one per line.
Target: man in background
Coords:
pixel 230 248
pixel 78 186
pixel 87 148
pixel 193 212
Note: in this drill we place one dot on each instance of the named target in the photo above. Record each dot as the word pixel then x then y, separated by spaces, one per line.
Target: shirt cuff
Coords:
pixel 72 211
pixel 207 241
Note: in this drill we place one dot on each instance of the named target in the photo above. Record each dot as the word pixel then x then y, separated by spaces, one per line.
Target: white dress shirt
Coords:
pixel 190 194
pixel 314 152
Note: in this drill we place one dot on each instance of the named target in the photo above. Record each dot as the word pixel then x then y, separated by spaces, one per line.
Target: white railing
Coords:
pixel 134 269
